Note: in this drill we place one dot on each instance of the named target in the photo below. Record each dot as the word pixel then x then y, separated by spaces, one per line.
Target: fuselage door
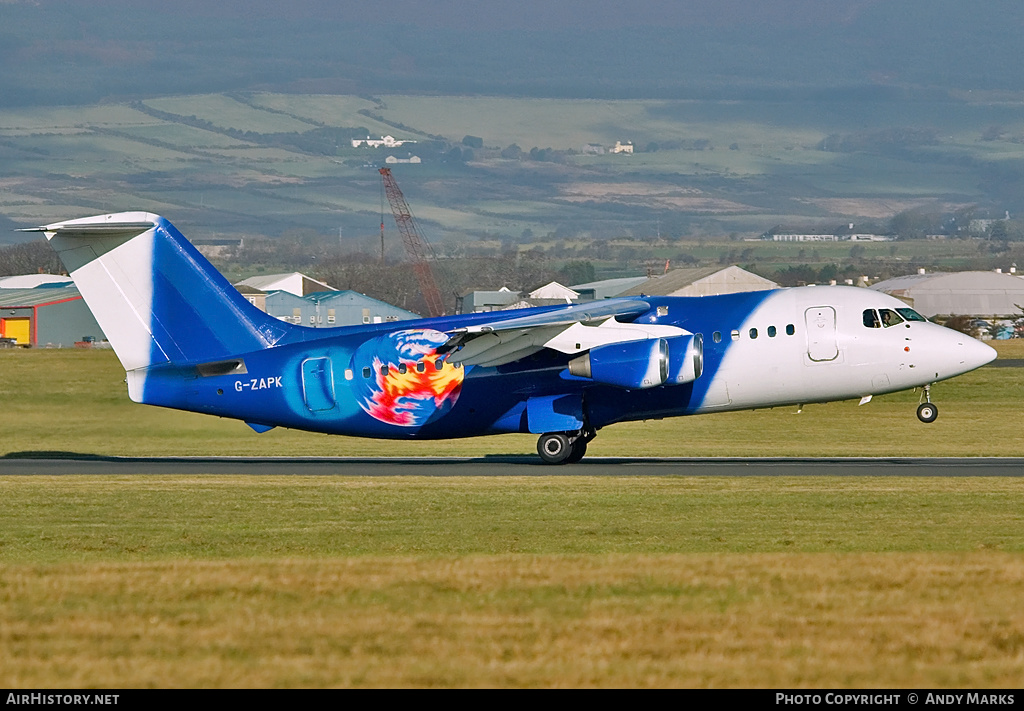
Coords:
pixel 821 333
pixel 318 384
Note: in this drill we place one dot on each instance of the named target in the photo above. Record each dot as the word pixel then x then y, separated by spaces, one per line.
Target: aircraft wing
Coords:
pixel 573 329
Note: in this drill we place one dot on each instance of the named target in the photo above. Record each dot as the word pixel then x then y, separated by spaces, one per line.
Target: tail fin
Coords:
pixel 157 299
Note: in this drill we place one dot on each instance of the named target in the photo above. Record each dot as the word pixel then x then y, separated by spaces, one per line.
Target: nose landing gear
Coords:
pixel 563 447
pixel 927 410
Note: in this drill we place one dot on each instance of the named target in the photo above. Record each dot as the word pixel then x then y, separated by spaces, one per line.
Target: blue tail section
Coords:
pixel 197 313
pixel 157 299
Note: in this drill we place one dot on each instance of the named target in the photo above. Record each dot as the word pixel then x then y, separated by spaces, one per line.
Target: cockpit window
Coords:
pixel 890 317
pixel 911 315
pixel 871 319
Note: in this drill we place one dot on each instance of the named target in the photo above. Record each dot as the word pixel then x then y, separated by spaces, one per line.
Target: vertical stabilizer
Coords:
pixel 157 299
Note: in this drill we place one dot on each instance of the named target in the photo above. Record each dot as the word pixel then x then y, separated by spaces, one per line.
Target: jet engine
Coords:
pixel 645 363
pixel 685 359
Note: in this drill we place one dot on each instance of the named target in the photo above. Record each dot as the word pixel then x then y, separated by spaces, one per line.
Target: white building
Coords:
pixel 391 160
pixel 870 238
pixel 806 237
pixel 385 141
pixel 294 283
pixel 554 290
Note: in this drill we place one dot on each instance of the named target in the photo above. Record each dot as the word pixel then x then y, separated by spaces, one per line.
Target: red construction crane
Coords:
pixel 414 246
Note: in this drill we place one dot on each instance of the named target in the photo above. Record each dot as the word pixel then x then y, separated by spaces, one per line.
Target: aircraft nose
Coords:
pixel 974 354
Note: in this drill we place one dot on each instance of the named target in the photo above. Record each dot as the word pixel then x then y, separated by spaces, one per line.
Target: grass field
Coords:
pixel 564 580
pixel 516 582
pixel 511 582
pixel 225 112
pixel 978 418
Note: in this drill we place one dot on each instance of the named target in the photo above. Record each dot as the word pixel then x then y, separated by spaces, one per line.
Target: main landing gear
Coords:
pixel 563 447
pixel 927 410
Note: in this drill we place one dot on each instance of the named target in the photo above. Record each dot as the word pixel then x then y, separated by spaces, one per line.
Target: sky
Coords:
pixel 535 14
pixel 63 50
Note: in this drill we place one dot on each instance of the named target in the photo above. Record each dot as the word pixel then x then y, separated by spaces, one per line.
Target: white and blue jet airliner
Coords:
pixel 188 340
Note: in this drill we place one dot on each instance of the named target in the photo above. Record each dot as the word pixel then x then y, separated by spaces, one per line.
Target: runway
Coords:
pixel 71 465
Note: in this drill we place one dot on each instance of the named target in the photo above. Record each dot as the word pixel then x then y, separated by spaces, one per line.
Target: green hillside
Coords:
pixel 264 163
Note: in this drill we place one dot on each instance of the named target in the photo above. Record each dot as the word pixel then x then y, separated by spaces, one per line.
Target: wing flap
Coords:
pixel 572 330
pixel 575 313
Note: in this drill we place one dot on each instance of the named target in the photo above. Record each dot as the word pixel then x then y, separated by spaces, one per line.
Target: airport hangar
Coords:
pixel 981 294
pixel 47 317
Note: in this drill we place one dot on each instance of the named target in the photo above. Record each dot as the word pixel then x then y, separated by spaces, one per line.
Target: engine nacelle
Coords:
pixel 630 364
pixel 645 363
pixel 685 359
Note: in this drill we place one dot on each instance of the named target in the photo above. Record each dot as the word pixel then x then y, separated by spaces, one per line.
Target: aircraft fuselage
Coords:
pixel 760 349
pixel 188 340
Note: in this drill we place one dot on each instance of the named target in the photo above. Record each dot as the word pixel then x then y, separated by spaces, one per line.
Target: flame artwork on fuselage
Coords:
pixel 410 384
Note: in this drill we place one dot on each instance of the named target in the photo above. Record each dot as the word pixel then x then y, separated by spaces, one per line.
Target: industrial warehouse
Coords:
pixel 982 294
pixel 47 318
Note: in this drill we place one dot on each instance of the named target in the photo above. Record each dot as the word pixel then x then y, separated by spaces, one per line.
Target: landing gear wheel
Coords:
pixel 927 412
pixel 579 448
pixel 555 448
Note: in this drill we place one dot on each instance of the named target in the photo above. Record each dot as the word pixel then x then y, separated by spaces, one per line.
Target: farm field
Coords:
pixel 560 580
pixel 741 166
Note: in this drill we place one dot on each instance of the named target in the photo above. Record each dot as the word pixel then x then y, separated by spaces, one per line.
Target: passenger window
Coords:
pixel 871 319
pixel 716 336
pixel 890 317
pixel 402 368
pixel 771 332
pixel 421 367
pixel 366 372
pixel 438 364
pixel 790 329
pixel 735 335
pixel 753 333
pixel 383 370
pixel 348 374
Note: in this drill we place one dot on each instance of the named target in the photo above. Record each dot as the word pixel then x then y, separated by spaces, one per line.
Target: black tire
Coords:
pixel 927 412
pixel 579 448
pixel 554 448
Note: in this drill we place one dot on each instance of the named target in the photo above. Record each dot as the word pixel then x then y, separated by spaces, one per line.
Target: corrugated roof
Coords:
pixel 667 283
pixel 965 293
pixel 15 298
pixel 503 296
pixel 609 287
pixel 327 298
pixel 679 279
pixel 33 281
pixel 958 281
